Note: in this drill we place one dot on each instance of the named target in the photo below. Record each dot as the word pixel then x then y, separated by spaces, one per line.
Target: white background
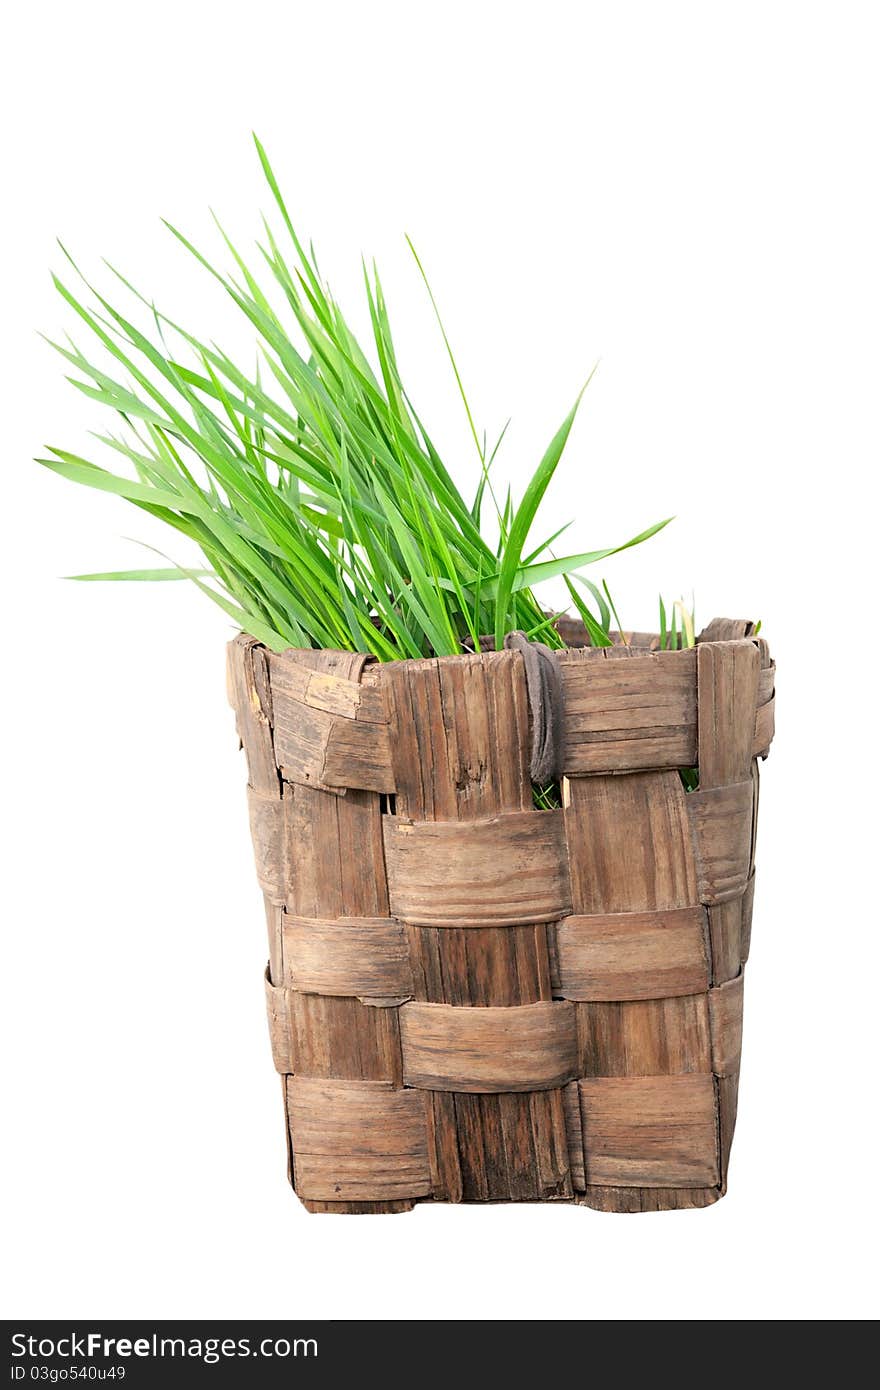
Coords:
pixel 687 192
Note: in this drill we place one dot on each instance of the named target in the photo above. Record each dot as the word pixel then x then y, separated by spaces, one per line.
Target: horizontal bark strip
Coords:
pixel 629 715
pixel 638 1199
pixel 632 955
pixel 360 956
pixel 650 1131
pixel 503 870
pixel 357 1140
pixel 527 1047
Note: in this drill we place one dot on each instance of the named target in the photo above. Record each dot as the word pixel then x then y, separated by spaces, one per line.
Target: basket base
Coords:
pixel 355 1208
pixel 621 1200
pixel 636 1199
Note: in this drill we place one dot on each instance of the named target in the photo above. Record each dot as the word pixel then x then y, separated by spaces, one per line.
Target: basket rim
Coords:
pixel 632 644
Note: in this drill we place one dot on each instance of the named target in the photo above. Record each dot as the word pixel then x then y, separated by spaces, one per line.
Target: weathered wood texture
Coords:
pixel 469 999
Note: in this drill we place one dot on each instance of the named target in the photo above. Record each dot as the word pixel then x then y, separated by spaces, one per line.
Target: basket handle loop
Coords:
pixel 544 688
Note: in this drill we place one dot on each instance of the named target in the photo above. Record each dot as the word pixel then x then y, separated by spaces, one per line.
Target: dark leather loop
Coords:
pixel 544 686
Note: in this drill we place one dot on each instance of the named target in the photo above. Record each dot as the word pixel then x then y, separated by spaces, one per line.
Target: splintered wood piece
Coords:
pixel 627 714
pixel 503 871
pixel 460 737
pixel 358 755
pixel 358 1140
pixel 247 684
pixel 331 751
pixel 633 955
pixel 530 1047
pixel 329 729
pixel 326 680
pixel 650 1131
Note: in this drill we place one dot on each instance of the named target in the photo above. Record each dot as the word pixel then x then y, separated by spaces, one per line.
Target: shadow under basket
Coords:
pixel 473 1000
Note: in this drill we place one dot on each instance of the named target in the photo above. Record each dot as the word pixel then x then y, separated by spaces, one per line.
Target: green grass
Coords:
pixel 322 509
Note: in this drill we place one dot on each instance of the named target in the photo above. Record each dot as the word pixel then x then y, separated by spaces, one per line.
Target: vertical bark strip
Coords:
pixel 460 747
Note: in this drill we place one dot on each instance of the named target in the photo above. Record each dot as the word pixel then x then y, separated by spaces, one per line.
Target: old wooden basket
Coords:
pixel 473 1000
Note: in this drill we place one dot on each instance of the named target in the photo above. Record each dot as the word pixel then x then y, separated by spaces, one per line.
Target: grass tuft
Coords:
pixel 322 509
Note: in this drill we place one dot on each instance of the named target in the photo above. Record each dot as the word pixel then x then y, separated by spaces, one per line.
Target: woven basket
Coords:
pixel 473 1000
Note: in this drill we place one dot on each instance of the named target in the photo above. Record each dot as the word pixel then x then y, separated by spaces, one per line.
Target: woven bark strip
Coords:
pixel 326 850
pixel 530 1047
pixel 726 1024
pixel 746 919
pixel 247 686
pixel 629 709
pixel 361 956
pixel 721 818
pixel 469 999
pixel 624 714
pixel 634 854
pixel 649 1131
pixel 356 1140
pixel 445 873
pixel 266 815
pixel 729 687
pixel 327 734
pixel 461 752
pixel 632 955
pixel 280 1030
